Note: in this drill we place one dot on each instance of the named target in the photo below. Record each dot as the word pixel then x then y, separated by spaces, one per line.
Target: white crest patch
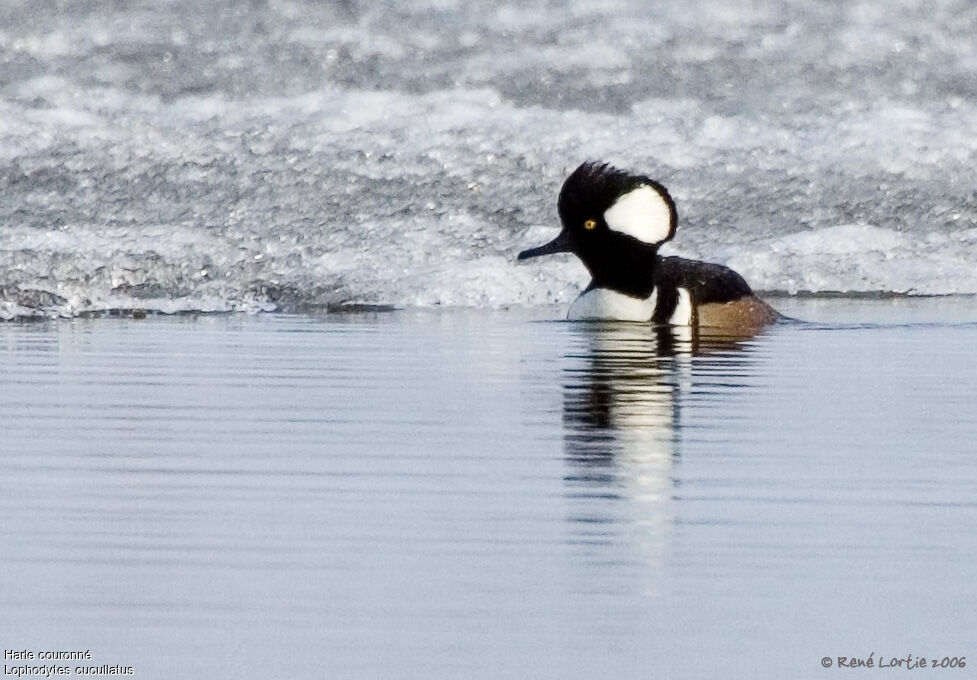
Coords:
pixel 641 213
pixel 682 316
pixel 609 305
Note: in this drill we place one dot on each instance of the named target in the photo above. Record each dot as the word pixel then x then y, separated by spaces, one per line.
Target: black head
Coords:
pixel 612 220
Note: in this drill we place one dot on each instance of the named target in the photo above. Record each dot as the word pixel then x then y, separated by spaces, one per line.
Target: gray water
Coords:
pixel 491 494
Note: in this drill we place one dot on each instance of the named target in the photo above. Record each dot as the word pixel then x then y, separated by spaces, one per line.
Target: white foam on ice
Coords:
pixel 288 156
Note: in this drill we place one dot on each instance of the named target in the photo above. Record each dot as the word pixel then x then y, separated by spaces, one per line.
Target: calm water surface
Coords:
pixel 478 494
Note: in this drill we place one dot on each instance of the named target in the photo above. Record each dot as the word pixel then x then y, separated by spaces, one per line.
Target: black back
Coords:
pixel 705 281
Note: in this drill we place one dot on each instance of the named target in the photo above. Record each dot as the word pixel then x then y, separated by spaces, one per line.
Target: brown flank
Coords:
pixel 747 314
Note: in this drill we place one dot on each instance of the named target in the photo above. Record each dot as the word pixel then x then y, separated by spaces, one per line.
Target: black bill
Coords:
pixel 561 244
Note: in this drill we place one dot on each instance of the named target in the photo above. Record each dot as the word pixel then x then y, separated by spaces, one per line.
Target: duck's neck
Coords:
pixel 628 268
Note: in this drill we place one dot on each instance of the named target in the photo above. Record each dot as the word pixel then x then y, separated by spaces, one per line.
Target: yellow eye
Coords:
pixel 590 224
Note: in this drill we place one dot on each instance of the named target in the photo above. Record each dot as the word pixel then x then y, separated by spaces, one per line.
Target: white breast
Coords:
pixel 603 303
pixel 682 316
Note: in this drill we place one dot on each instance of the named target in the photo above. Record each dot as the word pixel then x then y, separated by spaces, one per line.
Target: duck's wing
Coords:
pixel 705 281
pixel 710 287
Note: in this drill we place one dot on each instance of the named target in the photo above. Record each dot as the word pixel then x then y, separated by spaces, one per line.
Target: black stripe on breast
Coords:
pixel 665 304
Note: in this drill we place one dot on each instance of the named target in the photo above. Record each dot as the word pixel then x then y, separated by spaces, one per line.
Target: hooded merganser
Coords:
pixel 615 221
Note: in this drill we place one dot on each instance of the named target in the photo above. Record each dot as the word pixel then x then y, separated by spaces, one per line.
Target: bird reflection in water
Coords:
pixel 621 400
pixel 624 388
